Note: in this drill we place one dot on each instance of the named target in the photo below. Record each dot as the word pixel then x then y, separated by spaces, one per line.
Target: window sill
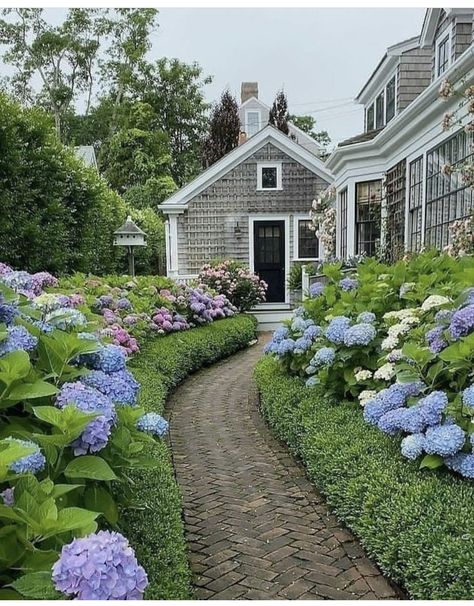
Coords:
pixel 269 188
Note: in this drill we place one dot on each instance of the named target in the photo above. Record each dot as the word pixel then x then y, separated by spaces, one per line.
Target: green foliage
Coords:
pixel 57 215
pixel 224 130
pixel 415 523
pixel 307 125
pixel 278 115
pixel 295 277
pixel 152 521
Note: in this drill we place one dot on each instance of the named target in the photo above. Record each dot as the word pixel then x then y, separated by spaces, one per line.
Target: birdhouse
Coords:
pixel 129 234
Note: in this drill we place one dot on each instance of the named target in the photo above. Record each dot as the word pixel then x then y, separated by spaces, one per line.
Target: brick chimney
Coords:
pixel 248 90
pixel 242 137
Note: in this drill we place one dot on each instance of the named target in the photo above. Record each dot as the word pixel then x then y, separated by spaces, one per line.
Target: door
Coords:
pixel 269 257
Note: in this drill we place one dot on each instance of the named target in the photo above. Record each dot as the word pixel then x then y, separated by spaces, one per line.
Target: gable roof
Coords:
pixel 269 134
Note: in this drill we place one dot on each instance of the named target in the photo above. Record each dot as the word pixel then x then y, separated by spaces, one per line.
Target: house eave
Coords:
pixel 406 123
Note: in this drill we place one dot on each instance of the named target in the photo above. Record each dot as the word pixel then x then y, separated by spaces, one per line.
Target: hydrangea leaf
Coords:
pixel 90 467
pixel 37 586
pixel 97 498
pixel 28 391
pixel 431 462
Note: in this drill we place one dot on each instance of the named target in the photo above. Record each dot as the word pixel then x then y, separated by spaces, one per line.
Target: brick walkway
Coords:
pixel 255 526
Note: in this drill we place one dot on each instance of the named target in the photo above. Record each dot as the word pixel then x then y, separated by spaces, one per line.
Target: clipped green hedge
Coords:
pixel 155 530
pixel 417 525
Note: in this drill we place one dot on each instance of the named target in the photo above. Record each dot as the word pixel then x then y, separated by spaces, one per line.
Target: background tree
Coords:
pixel 307 124
pixel 278 115
pixel 63 56
pixel 224 129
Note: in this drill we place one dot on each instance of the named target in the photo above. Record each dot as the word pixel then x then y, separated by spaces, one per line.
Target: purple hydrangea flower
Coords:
pixel 316 290
pixel 121 387
pixel 8 496
pixel 336 329
pixel 359 335
pixel 32 463
pixel 101 566
pixel 18 338
pixel 435 340
pixel 124 303
pixel 87 399
pixel 154 423
pixel 444 316
pixel 462 322
pixel 412 446
pixel 348 284
pixel 444 440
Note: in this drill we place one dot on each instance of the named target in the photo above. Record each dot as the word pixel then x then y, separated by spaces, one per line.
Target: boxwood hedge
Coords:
pixel 155 529
pixel 417 525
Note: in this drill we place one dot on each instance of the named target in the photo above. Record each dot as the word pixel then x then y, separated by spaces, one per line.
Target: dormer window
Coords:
pixel 252 122
pixel 379 110
pixel 442 55
pixel 390 100
pixel 369 118
pixel 383 109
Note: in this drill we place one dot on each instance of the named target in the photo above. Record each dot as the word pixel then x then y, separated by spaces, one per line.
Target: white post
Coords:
pixel 304 282
pixel 173 246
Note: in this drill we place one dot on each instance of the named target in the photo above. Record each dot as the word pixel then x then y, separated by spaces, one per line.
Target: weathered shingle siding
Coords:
pixel 462 37
pixel 207 229
pixel 414 75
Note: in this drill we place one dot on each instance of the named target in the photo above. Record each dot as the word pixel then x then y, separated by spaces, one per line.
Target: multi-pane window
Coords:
pixel 447 197
pixel 395 187
pixel 379 110
pixel 415 203
pixel 390 100
pixel 308 244
pixel 369 119
pixel 253 122
pixel 443 56
pixel 343 222
pixel 269 176
pixel 368 216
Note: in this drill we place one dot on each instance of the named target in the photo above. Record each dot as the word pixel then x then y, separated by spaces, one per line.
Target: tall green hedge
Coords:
pixel 417 525
pixel 56 214
pixel 156 529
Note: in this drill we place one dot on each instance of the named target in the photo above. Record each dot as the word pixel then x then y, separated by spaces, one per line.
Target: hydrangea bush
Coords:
pixel 399 340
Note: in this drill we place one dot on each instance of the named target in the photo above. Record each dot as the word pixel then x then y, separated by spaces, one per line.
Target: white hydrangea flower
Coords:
pixel 410 321
pixel 366 395
pixel 362 375
pixel 385 372
pixel 401 314
pixel 434 301
pixel 389 343
pixel 397 330
pixel 407 287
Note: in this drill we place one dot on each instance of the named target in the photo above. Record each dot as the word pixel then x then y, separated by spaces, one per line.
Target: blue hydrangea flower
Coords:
pixel 286 346
pixel 66 317
pixel 88 399
pixel 311 382
pixel 336 329
pixel 359 335
pixel 316 290
pixel 7 313
pixel 280 333
pixel 298 325
pixel 308 322
pixel 110 358
pixel 313 332
pixel 101 566
pixel 121 387
pixel 432 406
pixel 32 463
pixel 299 312
pixel 462 322
pixel 153 423
pixel 18 338
pixel 435 340
pixel 124 303
pixel 348 284
pixel 444 440
pixel 366 317
pixel 462 463
pixel 310 370
pixel 411 420
pixel 301 345
pixel 444 317
pixel 468 397
pixel 394 397
pixel 389 423
pixel 412 446
pixel 8 496
pixel 324 357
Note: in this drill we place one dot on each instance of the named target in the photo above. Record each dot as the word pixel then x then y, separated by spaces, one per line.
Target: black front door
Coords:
pixel 269 257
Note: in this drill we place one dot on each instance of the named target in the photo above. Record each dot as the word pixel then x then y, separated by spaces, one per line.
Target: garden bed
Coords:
pixel 416 524
pixel 156 529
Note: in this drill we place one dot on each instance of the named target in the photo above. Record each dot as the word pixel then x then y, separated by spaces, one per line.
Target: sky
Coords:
pixel 321 57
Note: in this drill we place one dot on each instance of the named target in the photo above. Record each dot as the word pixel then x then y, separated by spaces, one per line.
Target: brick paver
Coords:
pixel 256 527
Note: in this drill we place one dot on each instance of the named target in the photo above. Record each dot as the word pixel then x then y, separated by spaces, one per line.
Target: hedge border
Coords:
pixel 157 532
pixel 416 524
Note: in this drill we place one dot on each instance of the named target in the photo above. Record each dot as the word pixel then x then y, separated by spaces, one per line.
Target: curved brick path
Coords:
pixel 255 526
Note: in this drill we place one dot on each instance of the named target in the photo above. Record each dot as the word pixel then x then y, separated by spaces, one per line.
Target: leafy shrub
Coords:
pixel 162 364
pixel 234 280
pixel 57 214
pixel 414 523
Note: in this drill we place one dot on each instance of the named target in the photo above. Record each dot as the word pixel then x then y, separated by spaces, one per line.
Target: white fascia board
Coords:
pixel 429 27
pixel 378 81
pixel 408 123
pixel 254 99
pixel 269 134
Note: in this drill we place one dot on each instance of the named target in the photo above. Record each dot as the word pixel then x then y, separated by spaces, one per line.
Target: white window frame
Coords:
pixel 259 123
pixel 373 103
pixel 439 41
pixel 371 106
pixel 260 166
pixel 392 77
pixel 296 240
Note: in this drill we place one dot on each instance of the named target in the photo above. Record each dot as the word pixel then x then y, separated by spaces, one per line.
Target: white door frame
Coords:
pixel 270 217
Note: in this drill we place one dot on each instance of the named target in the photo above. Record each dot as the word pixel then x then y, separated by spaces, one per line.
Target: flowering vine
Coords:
pixel 323 217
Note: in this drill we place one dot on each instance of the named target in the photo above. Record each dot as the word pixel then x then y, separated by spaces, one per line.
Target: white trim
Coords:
pixel 260 166
pixel 269 134
pixel 173 246
pixel 167 247
pixel 261 103
pixel 259 121
pixel 296 239
pixel 445 35
pixel 270 217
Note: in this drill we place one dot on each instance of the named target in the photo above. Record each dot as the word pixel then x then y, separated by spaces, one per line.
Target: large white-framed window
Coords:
pixel 253 119
pixel 442 53
pixel 269 176
pixel 305 242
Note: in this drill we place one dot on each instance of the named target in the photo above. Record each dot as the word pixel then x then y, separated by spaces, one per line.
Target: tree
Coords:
pixel 224 130
pixel 307 124
pixel 63 56
pixel 278 115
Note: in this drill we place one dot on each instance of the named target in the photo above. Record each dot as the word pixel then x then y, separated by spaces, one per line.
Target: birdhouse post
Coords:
pixel 130 235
